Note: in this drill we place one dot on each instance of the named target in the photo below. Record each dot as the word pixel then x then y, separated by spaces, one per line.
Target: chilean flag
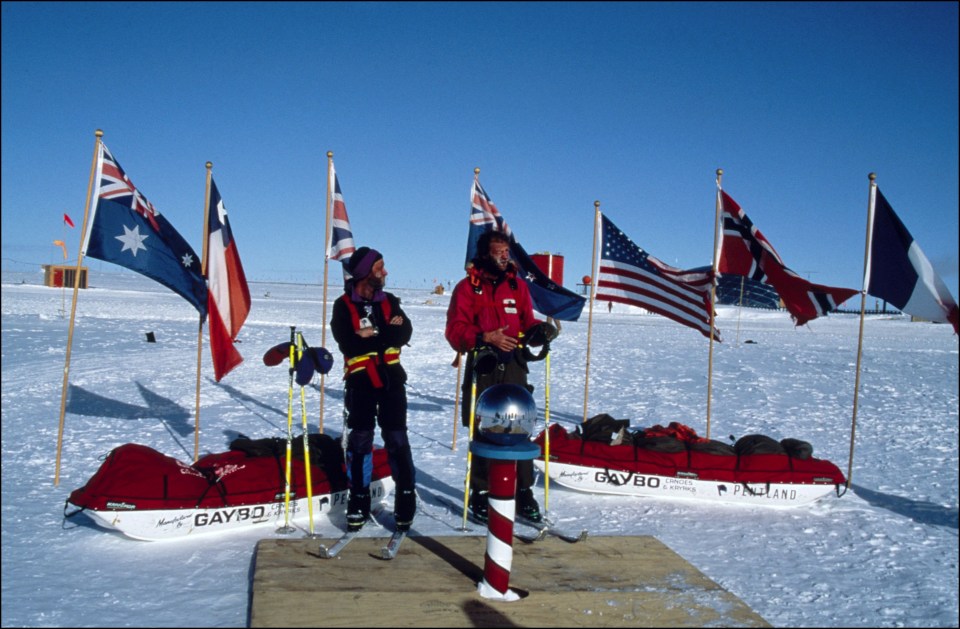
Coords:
pixel 898 272
pixel 228 300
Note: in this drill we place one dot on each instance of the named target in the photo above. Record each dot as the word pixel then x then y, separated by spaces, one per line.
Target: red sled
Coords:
pixel 147 495
pixel 676 463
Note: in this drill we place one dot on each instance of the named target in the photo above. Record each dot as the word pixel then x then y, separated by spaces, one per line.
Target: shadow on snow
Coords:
pixel 922 512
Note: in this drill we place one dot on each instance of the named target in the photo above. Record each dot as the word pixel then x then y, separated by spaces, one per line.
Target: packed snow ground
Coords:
pixel 883 555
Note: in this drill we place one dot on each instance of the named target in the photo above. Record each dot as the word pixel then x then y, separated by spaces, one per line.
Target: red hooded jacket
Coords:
pixel 482 303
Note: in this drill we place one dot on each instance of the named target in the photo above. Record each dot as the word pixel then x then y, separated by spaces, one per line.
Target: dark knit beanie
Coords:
pixel 362 261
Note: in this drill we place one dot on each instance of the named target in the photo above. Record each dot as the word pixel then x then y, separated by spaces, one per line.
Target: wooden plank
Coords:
pixel 602 582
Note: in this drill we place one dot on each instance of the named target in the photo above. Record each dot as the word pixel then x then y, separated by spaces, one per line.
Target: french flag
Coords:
pixel 228 300
pixel 898 272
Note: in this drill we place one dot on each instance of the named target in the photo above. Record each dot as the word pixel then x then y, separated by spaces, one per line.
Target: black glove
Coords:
pixel 540 334
pixel 485 360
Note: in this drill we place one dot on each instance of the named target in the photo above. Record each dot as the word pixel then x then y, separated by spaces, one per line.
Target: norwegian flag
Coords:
pixel 126 229
pixel 341 236
pixel 229 296
pixel 745 251
pixel 630 275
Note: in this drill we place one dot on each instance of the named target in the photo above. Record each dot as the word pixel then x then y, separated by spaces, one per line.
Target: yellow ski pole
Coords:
pixel 546 439
pixel 286 528
pixel 473 406
pixel 306 441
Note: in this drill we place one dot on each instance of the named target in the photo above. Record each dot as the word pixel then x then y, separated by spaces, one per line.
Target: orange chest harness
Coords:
pixel 370 361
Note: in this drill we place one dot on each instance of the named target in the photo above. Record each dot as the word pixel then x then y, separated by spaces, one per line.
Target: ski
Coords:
pixel 546 527
pixel 349 536
pixel 340 544
pixel 393 546
pixel 542 529
pixel 530 539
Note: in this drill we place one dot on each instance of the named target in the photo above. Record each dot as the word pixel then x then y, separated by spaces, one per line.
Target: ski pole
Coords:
pixel 473 405
pixel 306 440
pixel 456 404
pixel 546 439
pixel 286 528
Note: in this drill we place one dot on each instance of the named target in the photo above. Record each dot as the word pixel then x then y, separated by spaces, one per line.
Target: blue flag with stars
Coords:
pixel 126 229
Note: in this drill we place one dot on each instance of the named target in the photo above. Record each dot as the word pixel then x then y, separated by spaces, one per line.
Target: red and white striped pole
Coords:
pixel 502 477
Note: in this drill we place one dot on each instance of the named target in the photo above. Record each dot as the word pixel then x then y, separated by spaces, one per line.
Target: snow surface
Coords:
pixel 883 555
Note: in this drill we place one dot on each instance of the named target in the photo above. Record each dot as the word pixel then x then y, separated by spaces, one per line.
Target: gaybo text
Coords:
pixel 237 515
pixel 627 478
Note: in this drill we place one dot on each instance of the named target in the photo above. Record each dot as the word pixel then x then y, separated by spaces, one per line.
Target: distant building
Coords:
pixel 58 275
pixel 754 294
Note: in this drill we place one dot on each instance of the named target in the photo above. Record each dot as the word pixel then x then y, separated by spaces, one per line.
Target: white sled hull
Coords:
pixel 605 481
pixel 163 524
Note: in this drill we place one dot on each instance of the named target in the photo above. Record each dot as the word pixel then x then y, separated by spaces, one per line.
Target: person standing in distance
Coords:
pixel 490 312
pixel 370 328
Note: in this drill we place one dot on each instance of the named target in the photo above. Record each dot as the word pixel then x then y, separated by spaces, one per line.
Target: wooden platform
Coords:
pixel 600 582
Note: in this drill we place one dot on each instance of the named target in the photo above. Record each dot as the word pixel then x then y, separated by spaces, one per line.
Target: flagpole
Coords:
pixel 203 271
pixel 73 308
pixel 63 286
pixel 326 262
pixel 871 207
pixel 743 280
pixel 458 362
pixel 713 299
pixel 593 292
pixel 456 403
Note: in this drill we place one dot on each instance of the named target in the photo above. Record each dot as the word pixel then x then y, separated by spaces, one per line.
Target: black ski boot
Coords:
pixel 478 505
pixel 358 510
pixel 527 506
pixel 404 508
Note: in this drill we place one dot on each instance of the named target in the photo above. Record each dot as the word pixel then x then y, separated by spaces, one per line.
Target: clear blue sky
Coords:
pixel 634 105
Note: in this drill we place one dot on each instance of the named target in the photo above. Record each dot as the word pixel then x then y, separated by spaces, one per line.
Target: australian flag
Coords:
pixel 127 230
pixel 549 298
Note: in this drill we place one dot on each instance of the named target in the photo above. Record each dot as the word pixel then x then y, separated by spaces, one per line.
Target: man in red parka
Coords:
pixel 489 313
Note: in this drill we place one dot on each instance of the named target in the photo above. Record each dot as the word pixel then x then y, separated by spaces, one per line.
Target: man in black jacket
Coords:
pixel 370 328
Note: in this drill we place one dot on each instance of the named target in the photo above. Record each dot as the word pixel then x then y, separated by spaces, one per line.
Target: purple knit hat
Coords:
pixel 362 261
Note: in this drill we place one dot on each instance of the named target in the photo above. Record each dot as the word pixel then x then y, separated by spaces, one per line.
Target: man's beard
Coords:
pixel 376 283
pixel 493 267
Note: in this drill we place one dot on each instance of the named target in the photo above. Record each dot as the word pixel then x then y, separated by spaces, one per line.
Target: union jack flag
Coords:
pixel 117 187
pixel 745 251
pixel 341 236
pixel 630 275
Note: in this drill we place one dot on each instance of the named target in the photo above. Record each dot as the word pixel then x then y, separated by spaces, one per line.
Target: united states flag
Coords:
pixel 745 251
pixel 341 236
pixel 630 275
